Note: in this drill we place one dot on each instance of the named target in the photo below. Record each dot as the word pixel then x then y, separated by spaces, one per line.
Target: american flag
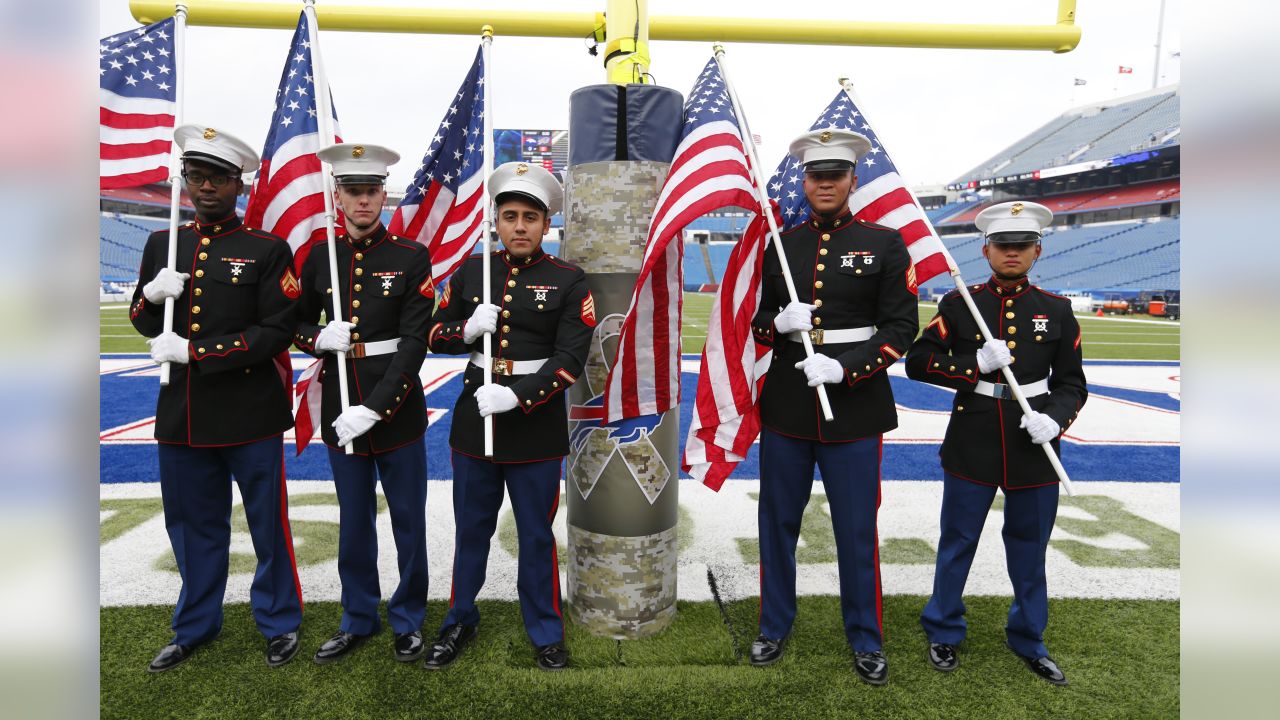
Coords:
pixel 288 193
pixel 137 90
pixel 443 206
pixel 726 418
pixel 710 171
pixel 881 197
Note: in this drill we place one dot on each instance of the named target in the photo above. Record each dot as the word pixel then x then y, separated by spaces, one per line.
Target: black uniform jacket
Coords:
pixel 860 275
pixel 238 310
pixel 983 442
pixel 547 313
pixel 384 283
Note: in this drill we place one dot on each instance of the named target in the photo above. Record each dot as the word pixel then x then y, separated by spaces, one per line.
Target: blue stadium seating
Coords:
pixel 1108 130
pixel 937 215
pixel 1113 256
pixel 120 249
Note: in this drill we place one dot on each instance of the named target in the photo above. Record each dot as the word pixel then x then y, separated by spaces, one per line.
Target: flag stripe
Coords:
pixel 132 150
pixel 136 106
pixel 287 198
pixel 442 207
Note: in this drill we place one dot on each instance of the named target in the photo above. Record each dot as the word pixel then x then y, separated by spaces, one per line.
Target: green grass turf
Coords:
pixel 1121 656
pixel 1103 339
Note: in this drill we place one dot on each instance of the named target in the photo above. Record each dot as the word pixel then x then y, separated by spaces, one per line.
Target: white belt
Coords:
pixel 382 347
pixel 502 366
pixel 821 336
pixel 1003 392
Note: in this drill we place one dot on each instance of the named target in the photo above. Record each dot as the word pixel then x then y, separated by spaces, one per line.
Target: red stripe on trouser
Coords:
pixel 288 533
pixel 760 606
pixel 454 578
pixel 879 597
pixel 555 560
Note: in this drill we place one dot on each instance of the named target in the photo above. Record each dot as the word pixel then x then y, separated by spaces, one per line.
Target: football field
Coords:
pixel 1113 567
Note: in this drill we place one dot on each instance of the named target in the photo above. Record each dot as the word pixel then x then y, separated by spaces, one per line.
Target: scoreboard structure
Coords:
pixel 548 148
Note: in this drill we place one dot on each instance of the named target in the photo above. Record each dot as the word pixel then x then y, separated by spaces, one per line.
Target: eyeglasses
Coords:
pixel 196 179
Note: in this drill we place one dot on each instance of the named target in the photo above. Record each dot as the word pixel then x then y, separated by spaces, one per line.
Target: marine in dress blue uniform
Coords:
pixel 223 413
pixel 542 317
pixel 386 297
pixel 989 443
pixel 857 300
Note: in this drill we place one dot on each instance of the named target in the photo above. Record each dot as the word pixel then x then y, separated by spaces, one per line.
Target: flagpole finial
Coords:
pixel 486 31
pixel 843 81
pixel 717 49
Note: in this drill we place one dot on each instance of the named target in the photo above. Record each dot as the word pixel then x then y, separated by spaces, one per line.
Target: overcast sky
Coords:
pixel 939 112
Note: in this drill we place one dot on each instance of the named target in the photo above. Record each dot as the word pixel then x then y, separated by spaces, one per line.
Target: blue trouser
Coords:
pixel 195 485
pixel 1028 522
pixel 535 497
pixel 403 473
pixel 851 477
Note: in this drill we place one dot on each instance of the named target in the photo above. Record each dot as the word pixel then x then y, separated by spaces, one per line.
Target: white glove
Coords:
pixel 494 399
pixel 483 320
pixel 168 347
pixel 821 369
pixel 795 316
pixel 1041 427
pixel 335 337
pixel 992 356
pixel 166 284
pixel 354 422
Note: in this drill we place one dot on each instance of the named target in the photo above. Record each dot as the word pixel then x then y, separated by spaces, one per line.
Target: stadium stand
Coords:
pixel 1125 257
pixel 120 249
pixel 1109 171
pixel 1092 132
pixel 942 214
pixel 1160 191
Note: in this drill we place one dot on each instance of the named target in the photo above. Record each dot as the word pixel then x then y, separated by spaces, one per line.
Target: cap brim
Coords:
pixel 827 165
pixel 211 160
pixel 1013 237
pixel 504 195
pixel 359 180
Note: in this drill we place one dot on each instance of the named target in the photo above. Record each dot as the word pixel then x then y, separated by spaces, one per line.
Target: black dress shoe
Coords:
pixel 282 648
pixel 170 657
pixel 553 657
pixel 943 657
pixel 766 651
pixel 871 667
pixel 409 646
pixel 449 645
pixel 338 647
pixel 1043 667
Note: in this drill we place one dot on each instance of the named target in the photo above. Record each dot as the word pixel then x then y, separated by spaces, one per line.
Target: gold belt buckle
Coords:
pixel 501 366
pixel 816 336
pixel 356 351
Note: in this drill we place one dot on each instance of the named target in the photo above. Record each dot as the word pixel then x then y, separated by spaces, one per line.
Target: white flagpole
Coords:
pixel 763 194
pixel 324 111
pixel 175 163
pixel 486 34
pixel 1009 379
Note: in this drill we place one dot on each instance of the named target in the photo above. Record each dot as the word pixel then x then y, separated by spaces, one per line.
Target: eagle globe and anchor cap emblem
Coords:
pixel 210 133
